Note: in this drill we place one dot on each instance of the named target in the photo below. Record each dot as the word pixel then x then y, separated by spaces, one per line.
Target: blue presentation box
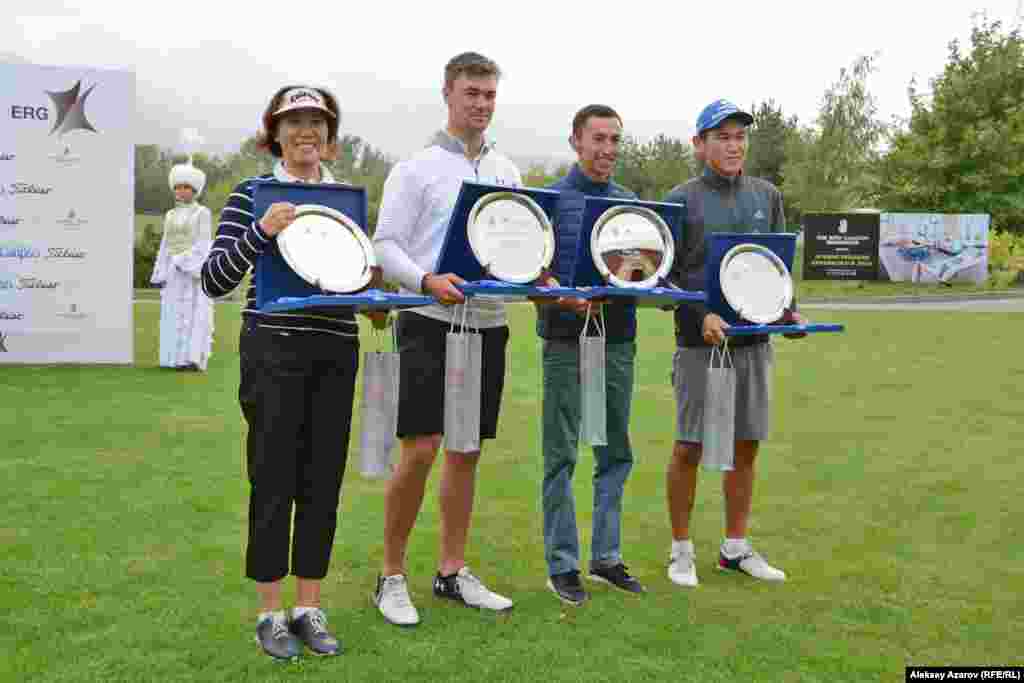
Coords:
pixel 717 244
pixel 512 292
pixel 749 330
pixel 655 297
pixel 456 255
pixel 584 272
pixel 274 277
pixel 783 244
pixel 367 300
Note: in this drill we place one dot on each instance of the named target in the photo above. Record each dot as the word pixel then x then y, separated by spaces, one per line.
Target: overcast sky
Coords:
pixel 213 65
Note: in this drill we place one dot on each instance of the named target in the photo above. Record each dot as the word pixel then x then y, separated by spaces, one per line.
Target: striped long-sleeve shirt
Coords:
pixel 236 249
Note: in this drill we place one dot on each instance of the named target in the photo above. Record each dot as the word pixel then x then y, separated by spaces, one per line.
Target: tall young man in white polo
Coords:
pixel 419 196
pixel 721 199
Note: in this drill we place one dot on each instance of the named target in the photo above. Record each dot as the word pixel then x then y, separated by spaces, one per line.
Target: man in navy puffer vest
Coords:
pixel 596 135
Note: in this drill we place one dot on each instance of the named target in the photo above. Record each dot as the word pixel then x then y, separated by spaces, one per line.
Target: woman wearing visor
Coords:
pixel 298 374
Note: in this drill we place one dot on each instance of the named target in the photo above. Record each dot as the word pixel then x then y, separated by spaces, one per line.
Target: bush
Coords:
pixel 1005 258
pixel 146 248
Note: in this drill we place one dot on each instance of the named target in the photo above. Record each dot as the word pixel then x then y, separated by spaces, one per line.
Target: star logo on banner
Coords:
pixel 71 110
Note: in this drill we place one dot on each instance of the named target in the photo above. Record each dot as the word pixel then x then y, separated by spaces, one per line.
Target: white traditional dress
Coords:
pixel 186 313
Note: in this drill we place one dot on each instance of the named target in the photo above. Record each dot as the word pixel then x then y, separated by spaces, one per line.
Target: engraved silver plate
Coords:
pixel 756 283
pixel 632 246
pixel 510 236
pixel 327 249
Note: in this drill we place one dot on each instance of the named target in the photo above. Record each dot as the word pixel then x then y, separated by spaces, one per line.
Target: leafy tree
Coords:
pixel 833 165
pixel 768 138
pixel 538 175
pixel 151 169
pixel 654 167
pixel 963 149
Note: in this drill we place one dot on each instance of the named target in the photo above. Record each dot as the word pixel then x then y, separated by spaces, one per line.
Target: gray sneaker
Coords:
pixel 311 629
pixel 276 640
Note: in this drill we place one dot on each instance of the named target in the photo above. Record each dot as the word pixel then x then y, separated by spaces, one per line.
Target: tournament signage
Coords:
pixel 66 214
pixel 841 246
pixel 933 247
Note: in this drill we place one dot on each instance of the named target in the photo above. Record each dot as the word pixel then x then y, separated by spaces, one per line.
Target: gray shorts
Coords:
pixel 753 391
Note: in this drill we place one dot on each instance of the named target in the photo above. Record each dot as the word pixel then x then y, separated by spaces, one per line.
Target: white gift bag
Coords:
pixel 379 411
pixel 462 386
pixel 718 448
pixel 593 388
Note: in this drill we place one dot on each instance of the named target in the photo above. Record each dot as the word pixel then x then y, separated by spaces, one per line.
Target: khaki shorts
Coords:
pixel 753 391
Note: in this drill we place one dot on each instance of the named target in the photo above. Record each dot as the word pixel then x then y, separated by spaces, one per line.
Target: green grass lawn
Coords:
pixel 890 493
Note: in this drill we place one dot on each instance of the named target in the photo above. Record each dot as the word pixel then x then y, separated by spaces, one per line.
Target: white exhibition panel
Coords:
pixel 66 214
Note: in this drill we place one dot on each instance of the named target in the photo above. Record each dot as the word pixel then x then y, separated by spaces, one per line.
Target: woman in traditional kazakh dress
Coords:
pixel 186 313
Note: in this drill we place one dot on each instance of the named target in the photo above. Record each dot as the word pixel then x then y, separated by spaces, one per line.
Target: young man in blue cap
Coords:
pixel 596 136
pixel 721 199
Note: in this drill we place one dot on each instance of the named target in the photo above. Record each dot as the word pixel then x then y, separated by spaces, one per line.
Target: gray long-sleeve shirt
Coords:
pixel 716 203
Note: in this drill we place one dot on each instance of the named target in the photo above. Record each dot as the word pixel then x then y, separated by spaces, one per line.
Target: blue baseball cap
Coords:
pixel 717 112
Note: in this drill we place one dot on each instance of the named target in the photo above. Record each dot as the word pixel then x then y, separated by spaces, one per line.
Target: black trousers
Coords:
pixel 296 394
pixel 422 343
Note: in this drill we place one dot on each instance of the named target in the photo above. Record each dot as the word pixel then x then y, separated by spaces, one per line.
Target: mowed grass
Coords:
pixel 890 493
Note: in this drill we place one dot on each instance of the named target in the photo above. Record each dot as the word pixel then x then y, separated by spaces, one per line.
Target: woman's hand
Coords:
pixel 278 216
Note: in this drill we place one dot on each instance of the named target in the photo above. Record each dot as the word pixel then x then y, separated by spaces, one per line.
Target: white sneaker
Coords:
pixel 752 564
pixel 681 569
pixel 393 601
pixel 470 591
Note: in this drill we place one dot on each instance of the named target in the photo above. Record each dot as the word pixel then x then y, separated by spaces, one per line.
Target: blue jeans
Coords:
pixel 561 427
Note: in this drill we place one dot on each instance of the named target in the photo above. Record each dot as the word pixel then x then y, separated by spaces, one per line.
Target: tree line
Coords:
pixel 960 151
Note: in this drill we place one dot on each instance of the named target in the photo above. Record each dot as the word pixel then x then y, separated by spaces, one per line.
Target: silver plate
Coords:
pixel 632 246
pixel 510 236
pixel 755 283
pixel 327 249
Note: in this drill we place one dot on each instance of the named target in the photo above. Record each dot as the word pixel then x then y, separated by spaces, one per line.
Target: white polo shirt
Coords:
pixel 419 197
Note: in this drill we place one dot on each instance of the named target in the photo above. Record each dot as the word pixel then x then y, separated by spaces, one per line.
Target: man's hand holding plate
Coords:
pixel 793 318
pixel 713 329
pixel 444 288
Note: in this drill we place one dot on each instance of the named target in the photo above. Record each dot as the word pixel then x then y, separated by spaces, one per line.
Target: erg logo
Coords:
pixel 27 112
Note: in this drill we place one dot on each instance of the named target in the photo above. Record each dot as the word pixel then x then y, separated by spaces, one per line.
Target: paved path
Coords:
pixel 970 306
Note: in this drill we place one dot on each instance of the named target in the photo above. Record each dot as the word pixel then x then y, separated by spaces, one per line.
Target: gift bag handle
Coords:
pixel 599 322
pixel 723 356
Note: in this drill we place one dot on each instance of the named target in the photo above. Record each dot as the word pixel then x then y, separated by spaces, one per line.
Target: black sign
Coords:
pixel 841 246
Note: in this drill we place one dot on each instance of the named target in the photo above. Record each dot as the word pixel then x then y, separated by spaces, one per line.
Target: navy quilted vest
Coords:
pixel 554 322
